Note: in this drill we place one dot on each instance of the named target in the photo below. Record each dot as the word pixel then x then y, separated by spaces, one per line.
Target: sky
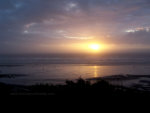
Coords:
pixel 67 26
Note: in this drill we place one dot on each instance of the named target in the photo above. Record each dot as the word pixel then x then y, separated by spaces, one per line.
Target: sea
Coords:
pixel 56 69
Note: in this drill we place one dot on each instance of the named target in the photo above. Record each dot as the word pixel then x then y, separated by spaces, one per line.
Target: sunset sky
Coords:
pixel 67 26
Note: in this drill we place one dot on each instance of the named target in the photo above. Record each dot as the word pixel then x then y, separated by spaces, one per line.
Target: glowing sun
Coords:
pixel 95 46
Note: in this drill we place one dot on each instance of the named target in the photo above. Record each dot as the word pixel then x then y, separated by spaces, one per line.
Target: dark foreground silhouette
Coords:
pixel 78 88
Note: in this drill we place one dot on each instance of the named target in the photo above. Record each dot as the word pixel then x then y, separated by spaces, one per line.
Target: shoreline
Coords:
pixel 79 87
pixel 137 82
pixel 140 82
pixel 108 78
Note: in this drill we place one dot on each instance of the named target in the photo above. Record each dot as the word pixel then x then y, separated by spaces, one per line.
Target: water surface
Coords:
pixel 57 70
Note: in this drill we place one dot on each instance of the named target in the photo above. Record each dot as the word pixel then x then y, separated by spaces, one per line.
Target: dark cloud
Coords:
pixel 6 4
pixel 139 37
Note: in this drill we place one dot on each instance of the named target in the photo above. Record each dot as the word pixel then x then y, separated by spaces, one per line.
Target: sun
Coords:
pixel 95 47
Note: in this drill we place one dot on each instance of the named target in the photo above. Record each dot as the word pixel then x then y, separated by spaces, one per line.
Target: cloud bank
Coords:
pixel 32 25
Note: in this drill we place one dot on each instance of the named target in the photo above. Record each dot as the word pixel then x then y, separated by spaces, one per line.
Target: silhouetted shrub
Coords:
pixel 74 88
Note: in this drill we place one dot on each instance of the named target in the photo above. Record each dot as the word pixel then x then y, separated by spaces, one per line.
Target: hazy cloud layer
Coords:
pixel 26 24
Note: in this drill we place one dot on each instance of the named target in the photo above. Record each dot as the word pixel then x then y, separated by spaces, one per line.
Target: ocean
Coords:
pixel 56 70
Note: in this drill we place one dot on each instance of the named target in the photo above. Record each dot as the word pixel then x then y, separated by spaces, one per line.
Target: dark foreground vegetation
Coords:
pixel 78 88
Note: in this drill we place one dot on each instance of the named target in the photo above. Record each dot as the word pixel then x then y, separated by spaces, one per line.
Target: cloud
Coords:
pixel 139 37
pixel 31 22
pixel 6 4
pixel 136 38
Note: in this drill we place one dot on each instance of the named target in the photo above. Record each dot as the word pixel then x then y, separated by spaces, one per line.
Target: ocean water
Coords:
pixel 56 70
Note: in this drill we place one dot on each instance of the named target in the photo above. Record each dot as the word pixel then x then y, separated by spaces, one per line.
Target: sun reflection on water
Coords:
pixel 95 71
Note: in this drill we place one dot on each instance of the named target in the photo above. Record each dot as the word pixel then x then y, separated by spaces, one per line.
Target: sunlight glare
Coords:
pixel 95 46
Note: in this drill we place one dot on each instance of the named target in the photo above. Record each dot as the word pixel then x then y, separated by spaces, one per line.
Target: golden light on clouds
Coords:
pixel 79 46
pixel 88 47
